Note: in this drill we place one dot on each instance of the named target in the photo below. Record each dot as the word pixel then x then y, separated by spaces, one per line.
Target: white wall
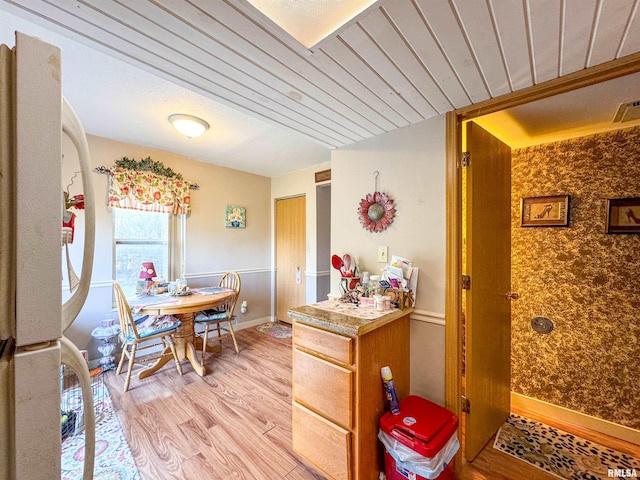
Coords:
pixel 411 162
pixel 211 247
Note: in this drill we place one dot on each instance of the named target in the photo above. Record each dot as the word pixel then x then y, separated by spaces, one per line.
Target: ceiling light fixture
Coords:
pixel 188 125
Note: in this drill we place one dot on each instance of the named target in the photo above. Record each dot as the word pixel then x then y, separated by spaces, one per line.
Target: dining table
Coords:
pixel 184 307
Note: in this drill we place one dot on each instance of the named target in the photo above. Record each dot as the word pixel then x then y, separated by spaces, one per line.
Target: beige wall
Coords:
pixel 584 280
pixel 411 162
pixel 211 247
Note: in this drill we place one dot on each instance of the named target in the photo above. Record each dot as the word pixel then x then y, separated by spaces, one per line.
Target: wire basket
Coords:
pixel 71 406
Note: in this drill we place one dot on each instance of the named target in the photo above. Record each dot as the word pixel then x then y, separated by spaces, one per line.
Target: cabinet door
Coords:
pixel 325 387
pixel 324 444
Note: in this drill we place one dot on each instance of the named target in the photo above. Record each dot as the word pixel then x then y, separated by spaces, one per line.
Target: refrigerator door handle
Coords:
pixel 71 357
pixel 73 128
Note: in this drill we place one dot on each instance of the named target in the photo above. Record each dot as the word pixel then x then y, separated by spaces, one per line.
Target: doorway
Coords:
pixel 453 358
pixel 290 255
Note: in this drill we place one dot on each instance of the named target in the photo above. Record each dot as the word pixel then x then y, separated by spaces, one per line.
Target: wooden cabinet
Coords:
pixel 338 395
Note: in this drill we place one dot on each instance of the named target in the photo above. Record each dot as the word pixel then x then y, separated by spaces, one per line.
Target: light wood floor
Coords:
pixel 236 421
pixel 233 423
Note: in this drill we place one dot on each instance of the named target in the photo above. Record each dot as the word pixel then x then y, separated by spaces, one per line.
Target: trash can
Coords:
pixel 420 441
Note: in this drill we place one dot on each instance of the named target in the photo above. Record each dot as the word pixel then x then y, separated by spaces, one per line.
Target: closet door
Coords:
pixel 290 255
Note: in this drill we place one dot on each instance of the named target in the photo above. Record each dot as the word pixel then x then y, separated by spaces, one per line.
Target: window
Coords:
pixel 144 237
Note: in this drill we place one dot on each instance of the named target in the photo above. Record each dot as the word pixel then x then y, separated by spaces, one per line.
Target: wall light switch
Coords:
pixel 383 254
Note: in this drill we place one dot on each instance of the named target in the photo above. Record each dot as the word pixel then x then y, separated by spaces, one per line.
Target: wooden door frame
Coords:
pixel 453 148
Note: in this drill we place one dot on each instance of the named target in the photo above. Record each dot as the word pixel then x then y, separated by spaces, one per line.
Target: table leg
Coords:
pixel 186 342
pixel 210 349
pixel 162 361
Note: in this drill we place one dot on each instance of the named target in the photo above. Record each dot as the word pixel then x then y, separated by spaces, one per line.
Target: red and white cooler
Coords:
pixel 420 441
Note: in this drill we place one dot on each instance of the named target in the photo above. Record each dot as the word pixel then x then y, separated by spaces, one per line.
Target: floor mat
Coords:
pixel 275 329
pixel 560 453
pixel 113 461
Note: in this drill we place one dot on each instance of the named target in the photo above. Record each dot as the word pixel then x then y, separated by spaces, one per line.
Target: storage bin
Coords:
pixel 420 441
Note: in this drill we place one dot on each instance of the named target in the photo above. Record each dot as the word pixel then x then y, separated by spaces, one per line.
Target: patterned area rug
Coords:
pixel 275 329
pixel 560 453
pixel 113 456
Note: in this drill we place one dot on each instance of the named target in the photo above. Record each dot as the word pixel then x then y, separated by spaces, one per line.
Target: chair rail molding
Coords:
pixel 428 317
pixel 246 271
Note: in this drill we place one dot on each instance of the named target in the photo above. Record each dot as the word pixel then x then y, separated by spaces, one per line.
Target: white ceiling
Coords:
pixel 275 105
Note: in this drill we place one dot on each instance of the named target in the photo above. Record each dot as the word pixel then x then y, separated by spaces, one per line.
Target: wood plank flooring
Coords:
pixel 236 421
pixel 233 423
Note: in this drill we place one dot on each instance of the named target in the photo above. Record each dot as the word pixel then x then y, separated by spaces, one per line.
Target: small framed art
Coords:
pixel 323 176
pixel 623 215
pixel 551 211
pixel 235 217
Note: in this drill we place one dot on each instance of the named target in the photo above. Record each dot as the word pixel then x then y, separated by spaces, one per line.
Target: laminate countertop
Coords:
pixel 345 319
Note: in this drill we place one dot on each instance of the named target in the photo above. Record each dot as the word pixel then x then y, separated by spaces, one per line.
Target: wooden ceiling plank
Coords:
pixel 610 29
pixel 191 56
pixel 509 17
pixel 371 54
pixel 477 26
pixel 114 45
pixel 544 17
pixel 631 41
pixel 394 46
pixel 275 58
pixel 364 101
pixel 66 13
pixel 443 24
pixel 414 31
pixel 352 64
pixel 576 34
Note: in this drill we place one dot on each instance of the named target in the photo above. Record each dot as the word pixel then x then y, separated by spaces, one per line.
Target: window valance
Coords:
pixel 148 191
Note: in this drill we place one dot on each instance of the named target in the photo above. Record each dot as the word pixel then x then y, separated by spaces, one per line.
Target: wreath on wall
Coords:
pixel 377 210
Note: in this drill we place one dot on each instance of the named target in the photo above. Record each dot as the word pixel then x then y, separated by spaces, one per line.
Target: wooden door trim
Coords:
pixel 453 146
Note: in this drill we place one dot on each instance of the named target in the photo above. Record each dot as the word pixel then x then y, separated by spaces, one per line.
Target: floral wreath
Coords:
pixel 376 212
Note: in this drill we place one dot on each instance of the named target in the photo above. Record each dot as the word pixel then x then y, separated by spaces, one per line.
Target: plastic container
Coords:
pixel 420 442
pixel 374 287
pixel 387 302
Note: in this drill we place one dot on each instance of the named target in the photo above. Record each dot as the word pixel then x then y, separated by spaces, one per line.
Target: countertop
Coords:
pixel 342 323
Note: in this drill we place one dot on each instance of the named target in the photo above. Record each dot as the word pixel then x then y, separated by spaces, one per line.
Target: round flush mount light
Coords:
pixel 188 125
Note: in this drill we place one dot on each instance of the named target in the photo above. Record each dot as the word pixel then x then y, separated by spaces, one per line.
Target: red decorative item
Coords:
pixel 68 226
pixel 376 212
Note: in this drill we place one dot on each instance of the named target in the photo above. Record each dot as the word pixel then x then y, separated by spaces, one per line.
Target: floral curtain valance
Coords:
pixel 147 191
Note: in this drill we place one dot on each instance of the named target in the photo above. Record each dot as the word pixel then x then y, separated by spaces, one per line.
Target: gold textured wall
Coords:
pixel 586 281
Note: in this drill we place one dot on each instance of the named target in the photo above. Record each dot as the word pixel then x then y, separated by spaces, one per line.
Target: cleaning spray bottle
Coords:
pixel 390 389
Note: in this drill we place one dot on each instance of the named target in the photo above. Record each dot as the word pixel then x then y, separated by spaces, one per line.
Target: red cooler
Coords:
pixel 420 441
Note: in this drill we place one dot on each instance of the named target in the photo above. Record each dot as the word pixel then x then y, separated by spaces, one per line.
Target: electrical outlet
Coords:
pixel 383 254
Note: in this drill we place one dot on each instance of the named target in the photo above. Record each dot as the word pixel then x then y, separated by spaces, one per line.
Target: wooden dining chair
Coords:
pixel 140 333
pixel 221 314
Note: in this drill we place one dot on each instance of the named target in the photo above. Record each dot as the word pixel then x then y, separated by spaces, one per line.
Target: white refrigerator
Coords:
pixel 33 116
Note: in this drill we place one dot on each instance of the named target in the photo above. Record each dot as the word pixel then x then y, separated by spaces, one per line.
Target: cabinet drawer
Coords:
pixel 324 444
pixel 330 344
pixel 324 386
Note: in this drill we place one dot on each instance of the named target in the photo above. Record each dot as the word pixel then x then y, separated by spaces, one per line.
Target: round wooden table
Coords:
pixel 184 308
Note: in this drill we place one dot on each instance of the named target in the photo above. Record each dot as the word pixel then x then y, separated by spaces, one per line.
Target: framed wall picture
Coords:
pixel 235 217
pixel 551 211
pixel 323 176
pixel 623 215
